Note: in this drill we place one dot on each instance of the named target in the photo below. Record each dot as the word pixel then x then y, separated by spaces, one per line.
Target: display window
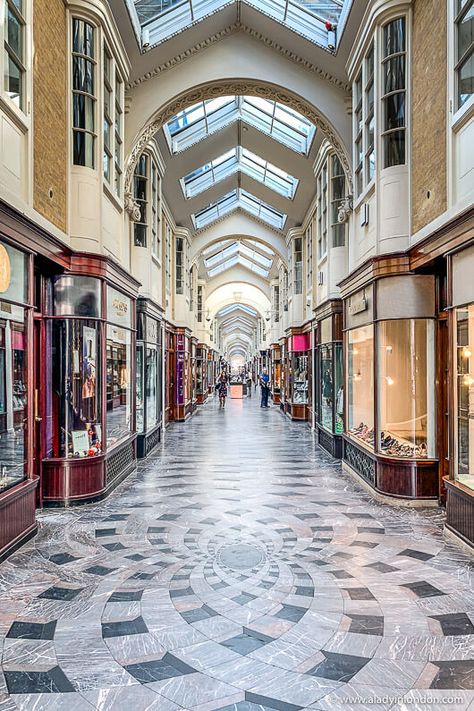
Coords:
pixel 119 401
pixel 299 366
pixel 464 395
pixel 139 399
pixel 12 395
pixel 76 402
pixel 330 380
pixel 151 390
pixel 406 395
pixel 360 385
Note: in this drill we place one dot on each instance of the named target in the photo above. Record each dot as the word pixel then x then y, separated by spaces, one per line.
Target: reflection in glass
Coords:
pixel 406 388
pixel 360 386
pixel 76 393
pixel 139 392
pixel 119 421
pixel 300 379
pixel 464 336
pixel 151 388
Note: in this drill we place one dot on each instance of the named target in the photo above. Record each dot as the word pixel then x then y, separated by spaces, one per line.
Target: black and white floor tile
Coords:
pixel 238 570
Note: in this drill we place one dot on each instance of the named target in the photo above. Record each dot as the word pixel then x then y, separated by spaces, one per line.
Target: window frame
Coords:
pixel 384 60
pixel 21 108
pixel 458 63
pixel 76 92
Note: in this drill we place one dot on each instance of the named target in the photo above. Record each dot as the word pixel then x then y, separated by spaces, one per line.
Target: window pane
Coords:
pixel 394 37
pixel 83 149
pixel 466 81
pixel 327 387
pixel 83 38
pixel 394 110
pixel 83 112
pixel 464 336
pixel 83 75
pixel 13 81
pixel 394 74
pixel 14 34
pixel 466 32
pixel 360 395
pixel 394 144
pixel 119 419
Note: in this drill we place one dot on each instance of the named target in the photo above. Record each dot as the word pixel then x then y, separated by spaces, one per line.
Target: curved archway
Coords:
pixel 223 87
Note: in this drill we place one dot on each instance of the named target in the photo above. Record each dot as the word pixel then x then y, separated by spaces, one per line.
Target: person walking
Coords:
pixel 221 388
pixel 249 385
pixel 265 388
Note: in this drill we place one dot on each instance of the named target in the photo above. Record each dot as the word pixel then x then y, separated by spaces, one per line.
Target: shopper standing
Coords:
pixel 221 388
pixel 265 388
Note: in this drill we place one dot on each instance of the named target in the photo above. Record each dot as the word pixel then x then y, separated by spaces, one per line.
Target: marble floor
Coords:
pixel 239 569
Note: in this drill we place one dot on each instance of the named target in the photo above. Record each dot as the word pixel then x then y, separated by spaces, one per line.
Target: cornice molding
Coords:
pixel 235 28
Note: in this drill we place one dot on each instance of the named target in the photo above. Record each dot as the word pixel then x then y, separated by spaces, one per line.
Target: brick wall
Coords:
pixel 49 108
pixel 428 114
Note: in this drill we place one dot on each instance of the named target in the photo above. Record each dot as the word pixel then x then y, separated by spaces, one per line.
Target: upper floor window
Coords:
pixel 338 189
pixel 322 203
pixel 199 303
pixel 14 54
pixel 108 115
pixel 155 211
pixel 140 195
pixel 394 92
pixel 113 89
pixel 168 245
pixel 276 303
pixel 364 123
pixel 464 58
pixel 84 93
pixel 298 265
pixel 179 256
pixel 309 257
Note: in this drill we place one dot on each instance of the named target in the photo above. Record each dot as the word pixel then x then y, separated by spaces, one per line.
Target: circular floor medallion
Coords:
pixel 241 555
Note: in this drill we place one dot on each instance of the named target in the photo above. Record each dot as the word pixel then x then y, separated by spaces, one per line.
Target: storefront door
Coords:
pixel 38 389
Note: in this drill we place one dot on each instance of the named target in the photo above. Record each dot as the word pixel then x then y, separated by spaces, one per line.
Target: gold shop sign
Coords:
pixel 5 269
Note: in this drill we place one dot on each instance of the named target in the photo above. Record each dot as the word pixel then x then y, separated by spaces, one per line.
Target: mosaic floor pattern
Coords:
pixel 238 570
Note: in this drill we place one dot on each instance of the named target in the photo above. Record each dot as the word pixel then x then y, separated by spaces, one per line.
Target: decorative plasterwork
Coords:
pixel 237 88
pixel 234 29
pixel 132 208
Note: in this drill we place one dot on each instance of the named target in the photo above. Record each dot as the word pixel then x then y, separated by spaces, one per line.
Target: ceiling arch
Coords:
pixel 265 88
pixel 237 293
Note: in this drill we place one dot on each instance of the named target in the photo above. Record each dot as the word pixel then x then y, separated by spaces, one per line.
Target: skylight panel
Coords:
pixel 234 307
pixel 252 254
pixel 253 267
pixel 206 117
pixel 216 245
pixel 222 267
pixel 239 159
pixel 262 247
pixel 246 201
pixel 222 254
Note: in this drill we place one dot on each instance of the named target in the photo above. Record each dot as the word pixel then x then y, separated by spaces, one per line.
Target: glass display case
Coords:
pixel 406 389
pixel 464 395
pixel 360 385
pixel 119 406
pixel 331 392
pixel 299 367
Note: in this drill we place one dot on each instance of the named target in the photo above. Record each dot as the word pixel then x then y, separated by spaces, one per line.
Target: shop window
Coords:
pixel 464 53
pixel 406 426
pixel 140 400
pixel 119 421
pixel 322 203
pixel 331 401
pixel 360 387
pixel 84 93
pixel 394 92
pixel 464 396
pixel 140 195
pixel 338 189
pixel 298 265
pixel 151 386
pixel 299 366
pixel 12 394
pixel 77 296
pixel 179 256
pixel 14 52
pixel 76 392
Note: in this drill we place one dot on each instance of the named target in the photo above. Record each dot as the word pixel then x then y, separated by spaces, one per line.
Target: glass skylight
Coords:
pixel 206 117
pixel 234 307
pixel 246 201
pixel 157 20
pixel 216 245
pixel 239 159
pixel 243 252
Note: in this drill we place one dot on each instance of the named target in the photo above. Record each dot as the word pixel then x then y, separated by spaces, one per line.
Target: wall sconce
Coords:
pixel 466 352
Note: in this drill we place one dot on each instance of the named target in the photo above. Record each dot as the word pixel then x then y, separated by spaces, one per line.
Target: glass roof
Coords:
pixel 238 253
pixel 200 120
pixel 246 201
pixel 233 161
pixel 161 19
pixel 234 307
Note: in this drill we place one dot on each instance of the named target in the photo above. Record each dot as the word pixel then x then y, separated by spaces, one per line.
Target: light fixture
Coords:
pixel 466 352
pixel 390 381
pixel 389 349
pixel 145 38
pixel 468 380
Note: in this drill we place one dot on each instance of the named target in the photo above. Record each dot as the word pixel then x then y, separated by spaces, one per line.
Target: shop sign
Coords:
pixel 357 306
pixel 118 307
pixel 5 269
pixel 151 330
pixel 180 341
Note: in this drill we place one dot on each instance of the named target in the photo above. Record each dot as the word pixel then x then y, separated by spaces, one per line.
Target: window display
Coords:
pixel 300 379
pixel 151 386
pixel 12 395
pixel 140 403
pixel 406 426
pixel 76 394
pixel 119 419
pixel 464 395
pixel 360 387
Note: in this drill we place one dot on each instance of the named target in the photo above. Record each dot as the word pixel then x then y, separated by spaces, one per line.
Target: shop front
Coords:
pixel 460 481
pixel 149 376
pixel 17 473
pixel 183 375
pixel 193 374
pixel 86 385
pixel 390 399
pixel 201 373
pixel 329 380
pixel 275 372
pixel 297 363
